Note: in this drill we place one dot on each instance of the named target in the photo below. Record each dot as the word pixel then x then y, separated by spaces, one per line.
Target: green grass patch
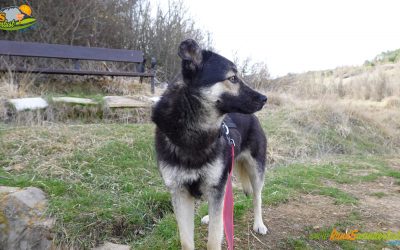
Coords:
pixel 378 194
pixel 295 243
pixel 392 173
pixel 164 236
pixel 110 188
pixel 284 182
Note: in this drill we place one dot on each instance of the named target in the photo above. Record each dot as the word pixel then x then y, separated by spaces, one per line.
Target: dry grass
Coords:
pixel 343 111
pixel 392 102
pixel 75 114
pixel 47 146
pixel 361 83
pixel 278 99
pixel 302 129
pixel 15 85
pixel 126 87
pixel 12 86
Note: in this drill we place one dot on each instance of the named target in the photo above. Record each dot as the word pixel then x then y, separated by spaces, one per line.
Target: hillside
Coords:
pixel 371 82
pixel 392 56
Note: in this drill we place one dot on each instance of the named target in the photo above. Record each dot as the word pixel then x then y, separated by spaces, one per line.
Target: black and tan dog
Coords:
pixel 193 157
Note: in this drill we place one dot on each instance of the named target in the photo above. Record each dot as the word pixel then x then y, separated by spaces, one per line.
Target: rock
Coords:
pixel 112 246
pixel 28 103
pixel 74 100
pixel 124 102
pixel 23 223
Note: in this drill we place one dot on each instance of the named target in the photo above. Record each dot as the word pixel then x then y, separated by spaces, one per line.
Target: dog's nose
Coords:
pixel 263 99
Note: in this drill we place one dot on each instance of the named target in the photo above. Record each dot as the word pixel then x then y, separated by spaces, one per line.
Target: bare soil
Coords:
pixel 307 213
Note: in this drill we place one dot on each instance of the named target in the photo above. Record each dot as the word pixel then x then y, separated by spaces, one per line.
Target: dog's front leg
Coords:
pixel 183 204
pixel 215 224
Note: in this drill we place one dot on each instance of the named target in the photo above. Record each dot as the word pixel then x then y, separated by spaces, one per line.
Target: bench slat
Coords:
pixel 30 49
pixel 79 72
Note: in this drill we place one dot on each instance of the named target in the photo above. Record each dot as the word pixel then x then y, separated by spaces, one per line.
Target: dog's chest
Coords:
pixel 180 176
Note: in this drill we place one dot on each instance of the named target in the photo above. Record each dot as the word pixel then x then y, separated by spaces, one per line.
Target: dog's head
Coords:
pixel 216 79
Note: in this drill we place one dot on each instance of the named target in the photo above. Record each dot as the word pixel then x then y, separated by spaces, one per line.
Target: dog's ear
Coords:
pixel 190 51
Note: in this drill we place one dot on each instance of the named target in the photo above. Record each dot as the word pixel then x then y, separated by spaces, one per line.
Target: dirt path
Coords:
pixel 378 210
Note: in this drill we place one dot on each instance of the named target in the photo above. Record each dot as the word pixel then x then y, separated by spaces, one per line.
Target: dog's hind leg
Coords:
pixel 252 170
pixel 183 204
pixel 215 223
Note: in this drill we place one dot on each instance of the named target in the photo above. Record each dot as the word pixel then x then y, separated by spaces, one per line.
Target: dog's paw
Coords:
pixel 205 220
pixel 260 228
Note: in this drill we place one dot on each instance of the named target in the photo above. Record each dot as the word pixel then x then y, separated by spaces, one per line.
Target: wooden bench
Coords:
pixel 76 53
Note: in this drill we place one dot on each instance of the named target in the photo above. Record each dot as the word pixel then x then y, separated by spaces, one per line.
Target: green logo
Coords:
pixel 16 18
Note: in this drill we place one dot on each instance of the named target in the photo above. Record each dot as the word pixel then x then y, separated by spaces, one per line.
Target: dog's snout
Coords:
pixel 263 99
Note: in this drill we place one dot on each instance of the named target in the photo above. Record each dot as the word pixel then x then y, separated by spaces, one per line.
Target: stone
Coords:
pixel 124 102
pixel 32 103
pixel 74 100
pixel 23 223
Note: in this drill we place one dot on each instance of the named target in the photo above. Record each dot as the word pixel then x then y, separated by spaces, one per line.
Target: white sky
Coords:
pixel 299 35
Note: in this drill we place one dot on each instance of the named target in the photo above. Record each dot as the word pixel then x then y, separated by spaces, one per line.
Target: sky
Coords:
pixel 294 36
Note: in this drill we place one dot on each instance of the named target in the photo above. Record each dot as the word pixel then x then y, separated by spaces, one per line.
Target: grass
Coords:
pixel 111 189
pixel 103 183
pixel 303 130
pixel 375 83
pixel 378 194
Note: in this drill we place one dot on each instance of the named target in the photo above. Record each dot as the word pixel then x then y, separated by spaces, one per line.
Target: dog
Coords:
pixel 193 158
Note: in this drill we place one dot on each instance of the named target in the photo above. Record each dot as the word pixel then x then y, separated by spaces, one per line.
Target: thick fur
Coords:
pixel 193 157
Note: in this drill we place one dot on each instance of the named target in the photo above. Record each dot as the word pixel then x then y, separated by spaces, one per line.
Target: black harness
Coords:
pixel 225 126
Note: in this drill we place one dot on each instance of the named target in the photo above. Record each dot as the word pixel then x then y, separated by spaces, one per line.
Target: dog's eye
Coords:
pixel 233 79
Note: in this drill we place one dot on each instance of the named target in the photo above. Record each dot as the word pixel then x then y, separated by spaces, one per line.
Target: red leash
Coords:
pixel 228 206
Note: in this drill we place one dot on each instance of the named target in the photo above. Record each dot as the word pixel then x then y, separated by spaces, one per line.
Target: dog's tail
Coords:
pixel 242 174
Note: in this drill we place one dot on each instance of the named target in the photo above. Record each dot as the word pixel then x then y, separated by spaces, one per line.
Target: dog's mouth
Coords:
pixel 260 106
pixel 257 106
